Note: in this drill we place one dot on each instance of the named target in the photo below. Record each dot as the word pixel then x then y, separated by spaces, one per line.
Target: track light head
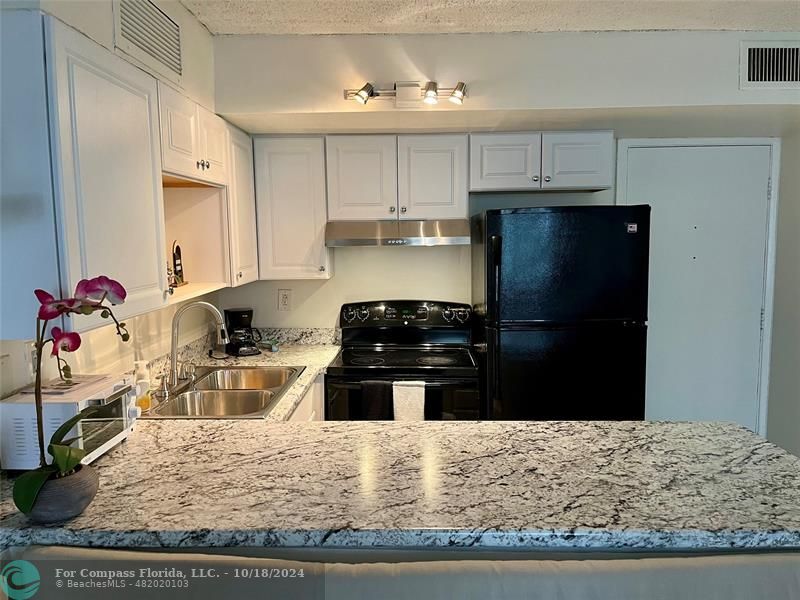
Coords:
pixel 431 93
pixel 458 93
pixel 364 94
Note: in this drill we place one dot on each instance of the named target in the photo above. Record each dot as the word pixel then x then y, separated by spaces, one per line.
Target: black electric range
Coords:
pixel 405 340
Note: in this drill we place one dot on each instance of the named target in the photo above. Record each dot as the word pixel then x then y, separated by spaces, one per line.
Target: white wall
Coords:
pixel 95 19
pixel 101 349
pixel 783 422
pixel 304 75
pixel 437 273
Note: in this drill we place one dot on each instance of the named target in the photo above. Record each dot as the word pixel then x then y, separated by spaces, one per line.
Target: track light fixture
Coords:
pixel 407 94
pixel 431 93
pixel 364 94
pixel 458 93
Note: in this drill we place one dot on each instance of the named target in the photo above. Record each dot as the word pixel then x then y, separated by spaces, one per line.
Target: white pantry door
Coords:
pixel 708 251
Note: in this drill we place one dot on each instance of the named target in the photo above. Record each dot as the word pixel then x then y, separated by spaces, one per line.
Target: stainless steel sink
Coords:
pixel 216 403
pixel 227 393
pixel 247 378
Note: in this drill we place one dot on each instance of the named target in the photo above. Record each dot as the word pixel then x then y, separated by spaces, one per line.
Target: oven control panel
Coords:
pixel 400 313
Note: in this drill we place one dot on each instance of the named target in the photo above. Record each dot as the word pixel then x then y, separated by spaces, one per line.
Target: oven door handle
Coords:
pixel 439 383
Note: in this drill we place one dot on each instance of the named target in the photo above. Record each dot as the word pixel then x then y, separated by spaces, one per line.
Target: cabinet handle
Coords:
pixel 321 268
pixel 403 209
pixel 535 178
pixel 208 165
pixel 547 178
pixel 239 275
pixel 201 164
pixel 392 209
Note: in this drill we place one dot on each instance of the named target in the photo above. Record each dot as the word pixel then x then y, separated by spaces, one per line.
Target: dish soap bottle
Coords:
pixel 141 378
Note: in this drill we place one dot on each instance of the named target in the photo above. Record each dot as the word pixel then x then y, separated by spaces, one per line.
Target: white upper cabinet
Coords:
pixel 242 209
pixel 180 142
pixel 290 199
pixel 582 160
pixel 362 177
pixel 194 141
pixel 432 176
pixel 214 145
pixel 505 161
pixel 107 171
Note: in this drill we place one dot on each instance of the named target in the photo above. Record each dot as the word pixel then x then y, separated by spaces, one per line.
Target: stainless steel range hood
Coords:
pixel 445 232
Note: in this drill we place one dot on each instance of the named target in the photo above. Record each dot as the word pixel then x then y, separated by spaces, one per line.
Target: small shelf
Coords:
pixel 193 290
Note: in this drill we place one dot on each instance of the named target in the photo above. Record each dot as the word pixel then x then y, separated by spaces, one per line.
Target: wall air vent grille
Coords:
pixel 770 65
pixel 143 25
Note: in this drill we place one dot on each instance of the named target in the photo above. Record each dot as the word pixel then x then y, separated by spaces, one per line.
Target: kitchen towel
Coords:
pixel 376 400
pixel 409 400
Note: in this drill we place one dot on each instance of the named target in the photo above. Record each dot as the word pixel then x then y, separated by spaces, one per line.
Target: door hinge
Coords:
pixel 769 188
pixel 762 319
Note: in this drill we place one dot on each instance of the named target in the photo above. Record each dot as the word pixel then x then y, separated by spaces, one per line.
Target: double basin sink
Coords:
pixel 227 393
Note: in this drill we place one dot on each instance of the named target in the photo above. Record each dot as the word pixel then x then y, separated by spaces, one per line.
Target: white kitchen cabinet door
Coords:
pixel 362 177
pixel 312 405
pixel 505 161
pixel 708 267
pixel 107 171
pixel 583 160
pixel 180 139
pixel 290 199
pixel 214 146
pixel 432 176
pixel 242 209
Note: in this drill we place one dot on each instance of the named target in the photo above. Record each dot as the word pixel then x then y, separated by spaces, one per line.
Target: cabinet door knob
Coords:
pixel 535 178
pixel 239 275
pixel 547 178
pixel 208 165
pixel 403 209
pixel 392 209
pixel 321 268
pixel 201 164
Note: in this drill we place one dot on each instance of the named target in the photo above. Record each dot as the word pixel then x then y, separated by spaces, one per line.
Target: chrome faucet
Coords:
pixel 222 334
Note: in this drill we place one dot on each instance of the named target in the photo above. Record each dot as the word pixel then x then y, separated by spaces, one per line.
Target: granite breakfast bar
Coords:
pixel 658 487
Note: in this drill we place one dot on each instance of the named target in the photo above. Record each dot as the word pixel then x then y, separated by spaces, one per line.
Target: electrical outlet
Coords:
pixel 284 300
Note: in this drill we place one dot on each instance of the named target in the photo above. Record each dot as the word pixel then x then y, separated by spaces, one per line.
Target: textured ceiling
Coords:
pixel 489 16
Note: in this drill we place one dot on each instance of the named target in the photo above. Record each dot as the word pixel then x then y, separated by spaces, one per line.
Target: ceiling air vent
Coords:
pixel 148 34
pixel 774 65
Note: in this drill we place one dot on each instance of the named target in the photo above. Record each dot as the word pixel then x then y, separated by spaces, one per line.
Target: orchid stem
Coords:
pixel 41 327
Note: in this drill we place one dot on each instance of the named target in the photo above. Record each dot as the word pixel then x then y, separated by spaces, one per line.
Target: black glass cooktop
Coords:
pixel 406 359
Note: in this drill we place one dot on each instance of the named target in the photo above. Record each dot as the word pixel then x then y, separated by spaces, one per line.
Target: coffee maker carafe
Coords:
pixel 243 338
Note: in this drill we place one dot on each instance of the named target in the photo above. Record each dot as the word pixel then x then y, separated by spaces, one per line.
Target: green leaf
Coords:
pixel 66 458
pixel 28 485
pixel 66 427
pixel 67 442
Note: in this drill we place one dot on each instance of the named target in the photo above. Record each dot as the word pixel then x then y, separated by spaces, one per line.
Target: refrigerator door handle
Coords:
pixel 495 247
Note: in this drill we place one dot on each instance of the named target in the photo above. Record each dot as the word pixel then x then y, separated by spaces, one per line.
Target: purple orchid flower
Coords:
pixel 100 288
pixel 63 340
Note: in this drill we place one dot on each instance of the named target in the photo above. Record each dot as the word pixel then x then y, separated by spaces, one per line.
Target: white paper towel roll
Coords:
pixel 408 398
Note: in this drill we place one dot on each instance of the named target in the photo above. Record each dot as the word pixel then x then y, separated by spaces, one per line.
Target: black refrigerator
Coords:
pixel 561 299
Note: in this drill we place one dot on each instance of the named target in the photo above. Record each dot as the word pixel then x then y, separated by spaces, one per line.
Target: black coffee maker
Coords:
pixel 243 338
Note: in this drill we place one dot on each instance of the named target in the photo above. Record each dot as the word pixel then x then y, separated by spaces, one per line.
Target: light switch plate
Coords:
pixel 284 300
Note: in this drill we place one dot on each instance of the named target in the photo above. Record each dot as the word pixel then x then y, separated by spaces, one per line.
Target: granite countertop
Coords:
pixel 543 485
pixel 313 357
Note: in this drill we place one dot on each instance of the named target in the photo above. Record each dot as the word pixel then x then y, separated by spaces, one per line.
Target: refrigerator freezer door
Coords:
pixel 592 372
pixel 568 264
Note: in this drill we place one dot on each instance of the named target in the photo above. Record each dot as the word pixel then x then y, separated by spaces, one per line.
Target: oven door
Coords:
pixel 445 399
pixel 108 426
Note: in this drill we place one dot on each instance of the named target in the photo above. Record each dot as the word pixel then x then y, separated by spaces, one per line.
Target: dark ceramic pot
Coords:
pixel 66 497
